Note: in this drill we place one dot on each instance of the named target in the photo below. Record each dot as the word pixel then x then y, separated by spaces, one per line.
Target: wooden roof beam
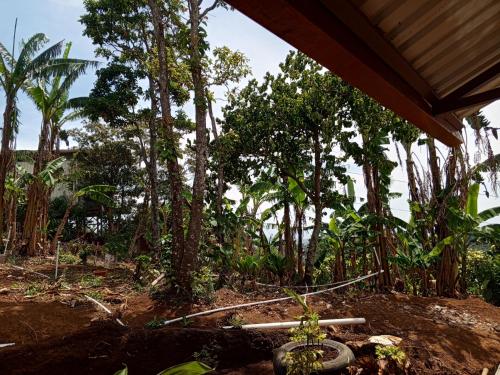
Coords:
pixel 314 29
pixel 474 83
pixel 452 105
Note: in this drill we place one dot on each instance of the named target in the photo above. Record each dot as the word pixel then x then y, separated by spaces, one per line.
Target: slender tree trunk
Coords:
pixel 299 218
pixel 197 203
pixel 318 212
pixel 448 266
pixel 384 258
pixel 62 224
pixel 5 156
pixel 153 167
pixel 169 133
pixel 35 220
pixel 220 178
pixel 288 239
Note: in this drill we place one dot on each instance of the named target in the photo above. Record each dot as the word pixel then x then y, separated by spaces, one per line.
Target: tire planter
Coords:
pixel 344 358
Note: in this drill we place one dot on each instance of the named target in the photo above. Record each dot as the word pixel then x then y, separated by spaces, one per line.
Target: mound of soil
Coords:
pixel 104 347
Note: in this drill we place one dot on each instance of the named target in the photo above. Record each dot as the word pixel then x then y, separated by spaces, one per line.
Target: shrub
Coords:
pixel 203 285
pixel 91 281
pixel 68 258
pixel 391 353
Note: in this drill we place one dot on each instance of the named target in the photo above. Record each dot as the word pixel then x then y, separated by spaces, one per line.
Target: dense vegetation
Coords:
pixel 261 193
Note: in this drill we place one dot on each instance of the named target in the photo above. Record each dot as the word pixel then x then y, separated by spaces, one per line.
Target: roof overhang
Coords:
pixel 396 51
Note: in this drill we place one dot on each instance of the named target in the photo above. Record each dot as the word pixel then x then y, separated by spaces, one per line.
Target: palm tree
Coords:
pixel 50 96
pixel 17 74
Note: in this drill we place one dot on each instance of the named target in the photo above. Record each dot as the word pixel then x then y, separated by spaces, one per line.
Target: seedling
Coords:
pixel 309 358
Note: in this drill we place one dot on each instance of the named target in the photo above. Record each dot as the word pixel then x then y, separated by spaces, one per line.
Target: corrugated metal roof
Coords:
pixel 446 42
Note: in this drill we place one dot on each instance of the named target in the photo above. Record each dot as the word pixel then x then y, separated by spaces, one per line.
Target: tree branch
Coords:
pixel 215 4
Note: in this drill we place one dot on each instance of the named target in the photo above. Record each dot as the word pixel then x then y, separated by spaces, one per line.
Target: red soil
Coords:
pixel 440 336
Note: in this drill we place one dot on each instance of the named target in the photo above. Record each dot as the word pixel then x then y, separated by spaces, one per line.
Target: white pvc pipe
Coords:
pixel 321 323
pixel 104 308
pixel 208 312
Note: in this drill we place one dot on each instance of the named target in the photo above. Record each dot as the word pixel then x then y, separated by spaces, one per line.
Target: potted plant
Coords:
pixel 309 352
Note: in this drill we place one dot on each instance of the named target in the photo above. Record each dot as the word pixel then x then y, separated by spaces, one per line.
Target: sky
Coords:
pixel 58 19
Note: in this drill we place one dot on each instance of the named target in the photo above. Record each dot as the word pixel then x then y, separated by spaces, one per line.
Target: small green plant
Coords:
pixel 236 321
pixel 186 322
pixel 142 264
pixel 91 281
pixel 390 352
pixel 154 324
pixel 308 359
pixel 203 285
pixel 68 258
pixel 208 354
pixel 33 290
pixel 95 295
pixel 84 253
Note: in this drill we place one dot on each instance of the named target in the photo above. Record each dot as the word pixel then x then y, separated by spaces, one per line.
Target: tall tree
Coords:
pixel 288 125
pixel 51 97
pixel 15 75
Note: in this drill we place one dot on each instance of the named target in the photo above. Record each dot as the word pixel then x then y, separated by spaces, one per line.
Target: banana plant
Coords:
pixel 468 228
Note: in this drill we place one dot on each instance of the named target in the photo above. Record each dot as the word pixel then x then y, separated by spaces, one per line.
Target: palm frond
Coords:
pixel 6 57
pixel 65 67
pixel 39 63
pixel 28 50
pixel 77 103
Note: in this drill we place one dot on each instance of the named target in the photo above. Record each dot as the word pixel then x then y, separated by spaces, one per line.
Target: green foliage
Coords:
pixel 90 281
pixel 208 354
pixel 390 352
pixel 68 258
pixel 95 294
pixel 33 289
pixel 123 371
pixel 155 323
pixel 276 263
pixel 483 277
pixel 188 368
pixel 248 265
pixel 203 285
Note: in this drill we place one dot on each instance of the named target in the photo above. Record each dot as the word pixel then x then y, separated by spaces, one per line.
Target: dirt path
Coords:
pixel 57 331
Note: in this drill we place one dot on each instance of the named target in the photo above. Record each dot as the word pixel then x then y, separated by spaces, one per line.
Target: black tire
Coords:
pixel 344 358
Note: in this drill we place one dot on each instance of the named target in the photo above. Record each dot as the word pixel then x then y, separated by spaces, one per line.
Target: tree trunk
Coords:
pixel 35 220
pixel 299 218
pixel 318 212
pixel 153 168
pixel 169 133
pixel 220 179
pixel 197 203
pixel 382 240
pixel 448 266
pixel 62 224
pixel 288 239
pixel 5 156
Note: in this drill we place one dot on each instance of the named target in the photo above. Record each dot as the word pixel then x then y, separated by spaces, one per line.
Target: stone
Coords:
pixel 386 340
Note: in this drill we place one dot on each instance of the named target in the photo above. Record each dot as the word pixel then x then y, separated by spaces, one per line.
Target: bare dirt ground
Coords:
pixel 56 330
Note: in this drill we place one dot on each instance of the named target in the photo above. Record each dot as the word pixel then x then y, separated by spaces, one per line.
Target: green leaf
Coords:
pixel 188 368
pixel 298 194
pixel 471 207
pixel 438 249
pixel 488 214
pixel 350 189
pixel 123 371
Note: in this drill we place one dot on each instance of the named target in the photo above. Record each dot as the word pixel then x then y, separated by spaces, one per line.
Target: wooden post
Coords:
pixel 57 258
